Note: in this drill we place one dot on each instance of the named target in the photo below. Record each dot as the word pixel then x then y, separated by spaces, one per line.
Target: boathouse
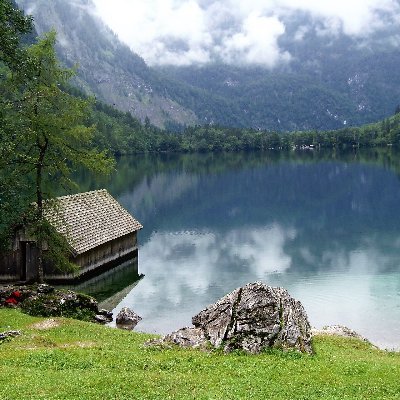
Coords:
pixel 99 231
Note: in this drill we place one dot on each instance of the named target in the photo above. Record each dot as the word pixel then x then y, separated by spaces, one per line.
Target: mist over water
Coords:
pixel 327 228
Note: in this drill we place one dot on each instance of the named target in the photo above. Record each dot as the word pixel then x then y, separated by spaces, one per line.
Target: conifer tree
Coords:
pixel 45 137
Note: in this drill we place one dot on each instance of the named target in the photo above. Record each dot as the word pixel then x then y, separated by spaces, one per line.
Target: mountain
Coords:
pixel 106 67
pixel 328 84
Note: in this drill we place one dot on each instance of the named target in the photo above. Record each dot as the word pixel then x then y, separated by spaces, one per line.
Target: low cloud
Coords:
pixel 184 32
pixel 256 43
pixel 356 17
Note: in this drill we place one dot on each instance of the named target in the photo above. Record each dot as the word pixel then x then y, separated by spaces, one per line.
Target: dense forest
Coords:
pixel 123 134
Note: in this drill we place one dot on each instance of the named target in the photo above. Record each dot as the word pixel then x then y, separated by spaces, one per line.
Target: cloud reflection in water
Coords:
pixel 186 271
pixel 200 267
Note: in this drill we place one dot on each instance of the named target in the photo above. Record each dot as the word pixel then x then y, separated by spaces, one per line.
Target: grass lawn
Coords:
pixel 79 360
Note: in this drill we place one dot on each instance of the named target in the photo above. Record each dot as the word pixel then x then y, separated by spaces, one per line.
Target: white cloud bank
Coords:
pixel 184 32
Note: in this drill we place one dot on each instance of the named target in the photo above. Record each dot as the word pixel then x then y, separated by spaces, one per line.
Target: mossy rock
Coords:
pixel 61 304
pixel 44 300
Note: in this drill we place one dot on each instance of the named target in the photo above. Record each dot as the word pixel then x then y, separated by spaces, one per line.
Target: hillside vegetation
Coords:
pixel 123 134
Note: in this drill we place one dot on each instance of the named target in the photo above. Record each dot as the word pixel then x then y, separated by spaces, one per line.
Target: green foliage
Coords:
pixel 57 246
pixel 123 134
pixel 13 59
pixel 13 25
pixel 61 303
pixel 81 360
pixel 120 133
pixel 49 114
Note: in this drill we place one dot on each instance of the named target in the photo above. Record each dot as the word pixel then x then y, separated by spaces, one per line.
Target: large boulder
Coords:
pixel 250 318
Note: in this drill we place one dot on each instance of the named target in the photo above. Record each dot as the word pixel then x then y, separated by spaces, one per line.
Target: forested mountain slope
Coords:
pixel 329 83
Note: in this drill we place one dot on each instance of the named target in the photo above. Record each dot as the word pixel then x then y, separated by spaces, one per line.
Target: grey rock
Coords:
pixel 127 319
pixel 338 330
pixel 9 334
pixel 107 314
pixel 188 337
pixel 101 319
pixel 250 318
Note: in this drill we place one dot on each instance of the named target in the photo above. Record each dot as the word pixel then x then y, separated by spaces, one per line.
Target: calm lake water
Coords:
pixel 325 226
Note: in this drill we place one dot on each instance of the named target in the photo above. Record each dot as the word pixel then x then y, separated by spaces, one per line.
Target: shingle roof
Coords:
pixel 90 219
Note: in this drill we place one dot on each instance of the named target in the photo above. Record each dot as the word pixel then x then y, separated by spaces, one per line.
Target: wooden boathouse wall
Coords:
pixel 101 257
pixel 99 231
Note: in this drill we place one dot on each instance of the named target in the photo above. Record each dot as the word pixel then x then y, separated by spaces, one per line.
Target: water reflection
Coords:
pixel 188 269
pixel 110 287
pixel 356 290
pixel 185 271
pixel 327 228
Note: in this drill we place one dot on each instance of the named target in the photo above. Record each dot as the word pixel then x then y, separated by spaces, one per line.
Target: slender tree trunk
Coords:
pixel 39 200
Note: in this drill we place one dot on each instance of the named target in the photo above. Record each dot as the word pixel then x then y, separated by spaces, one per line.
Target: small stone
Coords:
pixel 127 319
pixel 44 288
pixel 9 334
pixel 188 337
pixel 101 319
pixel 106 313
pixel 338 330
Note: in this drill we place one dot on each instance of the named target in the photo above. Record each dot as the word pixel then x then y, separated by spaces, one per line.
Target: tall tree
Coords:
pixel 14 26
pixel 49 139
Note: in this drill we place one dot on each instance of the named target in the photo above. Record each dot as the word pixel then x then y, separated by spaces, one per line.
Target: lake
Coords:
pixel 324 225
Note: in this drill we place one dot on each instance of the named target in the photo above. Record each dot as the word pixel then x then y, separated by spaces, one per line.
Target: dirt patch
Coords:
pixel 46 324
pixel 78 344
pixel 39 343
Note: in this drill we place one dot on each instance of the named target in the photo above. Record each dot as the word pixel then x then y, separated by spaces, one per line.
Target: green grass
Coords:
pixel 80 360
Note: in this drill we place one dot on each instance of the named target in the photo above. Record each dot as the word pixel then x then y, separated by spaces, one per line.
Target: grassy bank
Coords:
pixel 70 359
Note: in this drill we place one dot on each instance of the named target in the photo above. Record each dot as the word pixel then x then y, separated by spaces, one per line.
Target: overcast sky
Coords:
pixel 184 32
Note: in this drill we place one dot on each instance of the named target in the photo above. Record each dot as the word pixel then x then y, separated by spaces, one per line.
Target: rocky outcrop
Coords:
pixel 188 337
pixel 127 319
pixel 251 318
pixel 338 330
pixel 44 300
